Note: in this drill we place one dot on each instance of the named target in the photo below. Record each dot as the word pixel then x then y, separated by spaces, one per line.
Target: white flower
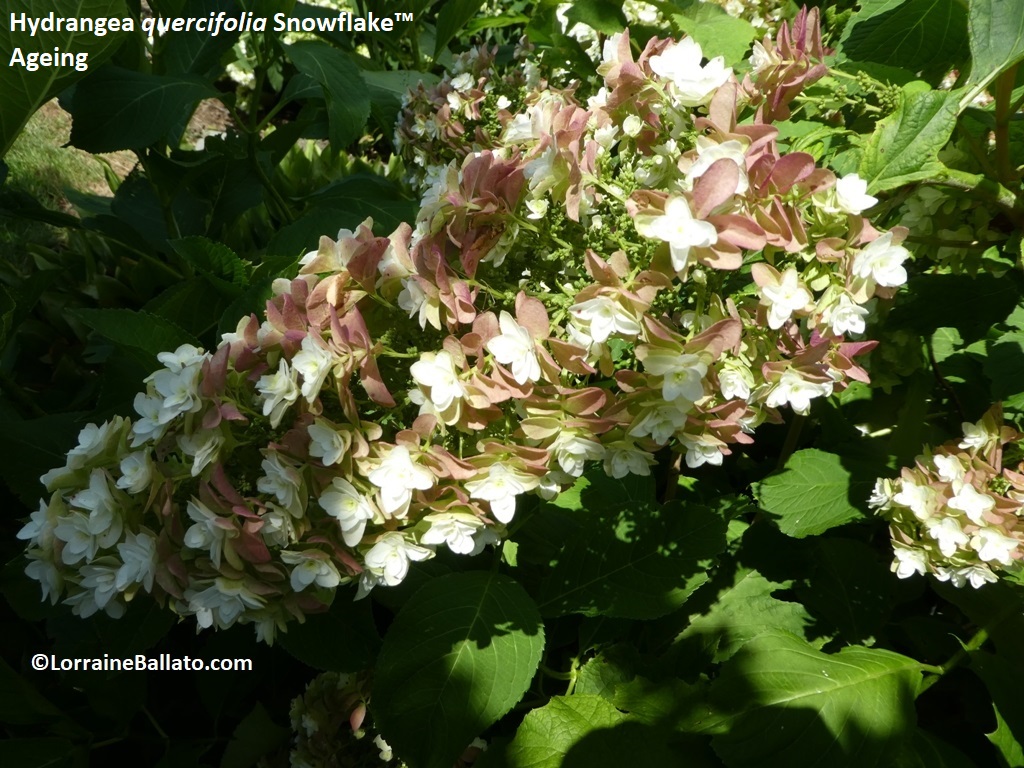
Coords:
pixel 694 84
pixel 185 356
pixel 797 392
pixel 311 567
pixel 881 262
pixel 136 472
pixel 279 390
pixel 83 537
pixel 278 529
pixel 313 362
pixel 283 482
pixel 660 422
pixel 683 374
pixel 325 442
pixel 700 451
pixel 572 450
pixel 972 503
pixel 735 381
pixel 709 152
pixel 46 573
pixel 608 136
pixel 222 603
pixel 455 529
pixel 852 194
pixel 349 507
pixel 397 476
pixel 100 584
pixel 148 427
pixel 515 347
pixel 909 561
pixel 414 300
pixel 538 209
pixel 787 296
pixel 203 446
pixel 389 558
pixel 978 575
pixel 139 560
pixel 96 499
pixel 179 390
pixel 761 59
pixel 681 231
pixel 632 126
pixel 463 82
pixel 846 317
pixel 386 753
pixel 993 544
pixel 436 371
pixel 604 316
pixel 623 458
pixel 92 441
pixel 209 532
pixel 975 436
pixel 920 499
pixel 948 534
pixel 881 494
pixel 38 531
pixel 500 487
pixel 552 483
pixel 950 468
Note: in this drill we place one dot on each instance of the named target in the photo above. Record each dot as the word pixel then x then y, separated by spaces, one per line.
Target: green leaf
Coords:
pixel 458 656
pixel 21 703
pixel 37 753
pixel 148 334
pixel 1010 750
pixel 603 15
pixel 7 307
pixel 118 108
pixel 922 750
pixel 193 52
pixel 904 145
pixel 349 624
pixel 1004 365
pixel 345 91
pixel 23 92
pixel 214 259
pixel 548 734
pixel 718 33
pixel 453 16
pixel 255 737
pixel 779 700
pixel 1003 675
pixel 928 36
pixel 195 305
pixel 849 588
pixel 602 675
pixel 740 613
pixel 996 29
pixel 924 304
pixel 358 196
pixel 812 494
pixel 35 446
pixel 634 561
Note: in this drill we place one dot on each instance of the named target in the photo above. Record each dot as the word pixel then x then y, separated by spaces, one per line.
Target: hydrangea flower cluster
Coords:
pixel 333 728
pixel 956 514
pixel 330 724
pixel 587 282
